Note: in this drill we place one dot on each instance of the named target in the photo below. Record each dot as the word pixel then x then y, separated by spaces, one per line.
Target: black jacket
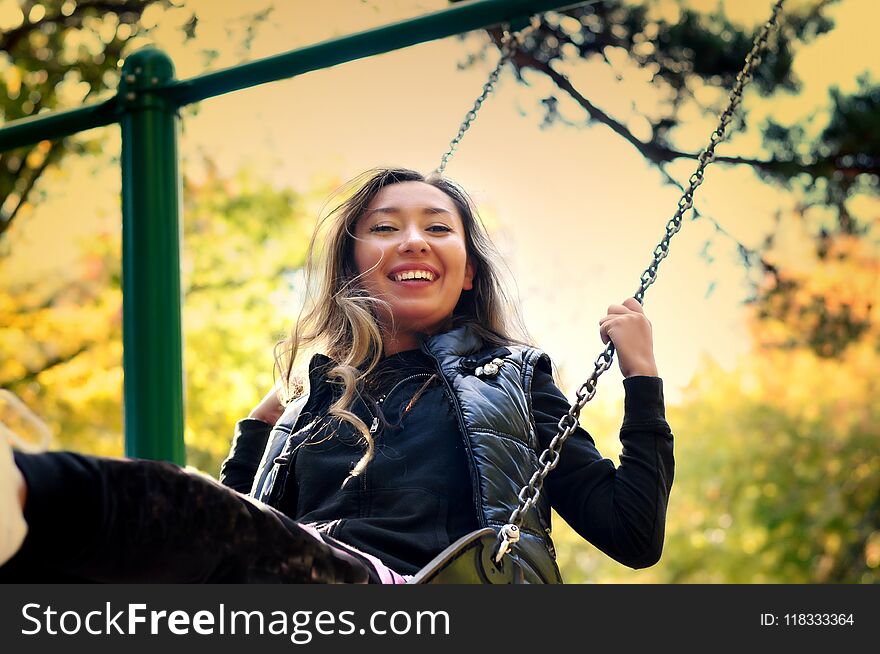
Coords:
pixel 506 417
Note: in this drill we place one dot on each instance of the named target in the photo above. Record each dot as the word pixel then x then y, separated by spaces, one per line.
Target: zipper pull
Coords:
pixel 375 425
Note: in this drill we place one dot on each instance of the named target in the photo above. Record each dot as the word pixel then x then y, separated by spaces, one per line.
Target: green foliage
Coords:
pixel 56 54
pixel 845 158
pixel 243 242
pixel 676 44
pixel 686 54
pixel 60 340
pixel 776 478
pixel 778 472
pixel 61 331
pixel 852 130
pixel 777 461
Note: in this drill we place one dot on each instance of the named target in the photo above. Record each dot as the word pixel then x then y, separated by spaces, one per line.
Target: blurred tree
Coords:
pixel 61 339
pixel 777 461
pixel 55 54
pixel 777 481
pixel 691 57
pixel 244 243
pixel 58 54
pixel 827 299
pixel 61 348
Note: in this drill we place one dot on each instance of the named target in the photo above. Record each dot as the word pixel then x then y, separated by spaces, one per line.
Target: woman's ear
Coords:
pixel 469 272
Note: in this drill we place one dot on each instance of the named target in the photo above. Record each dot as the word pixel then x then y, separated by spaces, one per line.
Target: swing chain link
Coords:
pixel 510 43
pixel 549 458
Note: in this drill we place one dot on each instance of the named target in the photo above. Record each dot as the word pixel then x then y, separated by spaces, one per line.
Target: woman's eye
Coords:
pixel 391 228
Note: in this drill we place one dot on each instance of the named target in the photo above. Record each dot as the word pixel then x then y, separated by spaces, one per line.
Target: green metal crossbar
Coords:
pixel 146 108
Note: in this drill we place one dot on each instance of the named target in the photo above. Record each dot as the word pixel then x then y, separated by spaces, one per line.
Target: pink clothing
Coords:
pixel 386 574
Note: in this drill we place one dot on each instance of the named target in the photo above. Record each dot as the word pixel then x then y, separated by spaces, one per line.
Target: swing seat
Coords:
pixel 469 561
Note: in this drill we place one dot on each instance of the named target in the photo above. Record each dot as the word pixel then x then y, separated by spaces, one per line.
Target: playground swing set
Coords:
pixel 146 108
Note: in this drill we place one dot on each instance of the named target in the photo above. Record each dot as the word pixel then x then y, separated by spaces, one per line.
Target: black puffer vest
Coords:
pixel 494 409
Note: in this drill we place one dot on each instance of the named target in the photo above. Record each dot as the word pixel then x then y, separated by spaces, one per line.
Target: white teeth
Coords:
pixel 414 274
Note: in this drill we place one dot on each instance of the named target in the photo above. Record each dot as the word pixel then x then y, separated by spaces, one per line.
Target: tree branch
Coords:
pixel 54 155
pixel 6 221
pixel 51 363
pixel 658 154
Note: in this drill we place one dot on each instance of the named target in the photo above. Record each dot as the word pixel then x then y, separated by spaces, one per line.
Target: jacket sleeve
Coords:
pixel 248 443
pixel 622 510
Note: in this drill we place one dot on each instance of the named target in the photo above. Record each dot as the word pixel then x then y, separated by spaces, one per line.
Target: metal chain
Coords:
pixel 528 495
pixel 510 42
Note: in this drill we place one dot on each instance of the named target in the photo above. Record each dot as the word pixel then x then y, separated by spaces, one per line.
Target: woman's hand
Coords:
pixel 270 408
pixel 630 330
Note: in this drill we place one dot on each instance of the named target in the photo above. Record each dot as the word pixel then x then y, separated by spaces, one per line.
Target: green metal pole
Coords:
pixel 443 23
pixel 440 24
pixel 153 356
pixel 57 124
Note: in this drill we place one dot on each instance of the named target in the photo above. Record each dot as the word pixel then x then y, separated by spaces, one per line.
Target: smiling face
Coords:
pixel 410 250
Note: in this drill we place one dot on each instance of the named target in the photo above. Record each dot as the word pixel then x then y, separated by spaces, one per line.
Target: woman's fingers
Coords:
pixel 616 309
pixel 627 326
pixel 607 324
pixel 633 305
pixel 629 305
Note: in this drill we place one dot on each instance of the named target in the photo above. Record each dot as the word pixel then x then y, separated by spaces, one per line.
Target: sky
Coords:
pixel 575 211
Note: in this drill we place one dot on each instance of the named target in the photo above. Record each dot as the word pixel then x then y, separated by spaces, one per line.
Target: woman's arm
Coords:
pixel 622 510
pixel 270 408
pixel 248 443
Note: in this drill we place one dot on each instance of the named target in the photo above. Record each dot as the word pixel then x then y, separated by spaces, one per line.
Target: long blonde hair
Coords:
pixel 339 317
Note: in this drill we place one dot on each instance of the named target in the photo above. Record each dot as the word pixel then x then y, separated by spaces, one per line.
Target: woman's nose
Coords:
pixel 413 241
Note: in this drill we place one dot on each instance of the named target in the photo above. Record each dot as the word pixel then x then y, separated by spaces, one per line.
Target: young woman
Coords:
pixel 419 421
